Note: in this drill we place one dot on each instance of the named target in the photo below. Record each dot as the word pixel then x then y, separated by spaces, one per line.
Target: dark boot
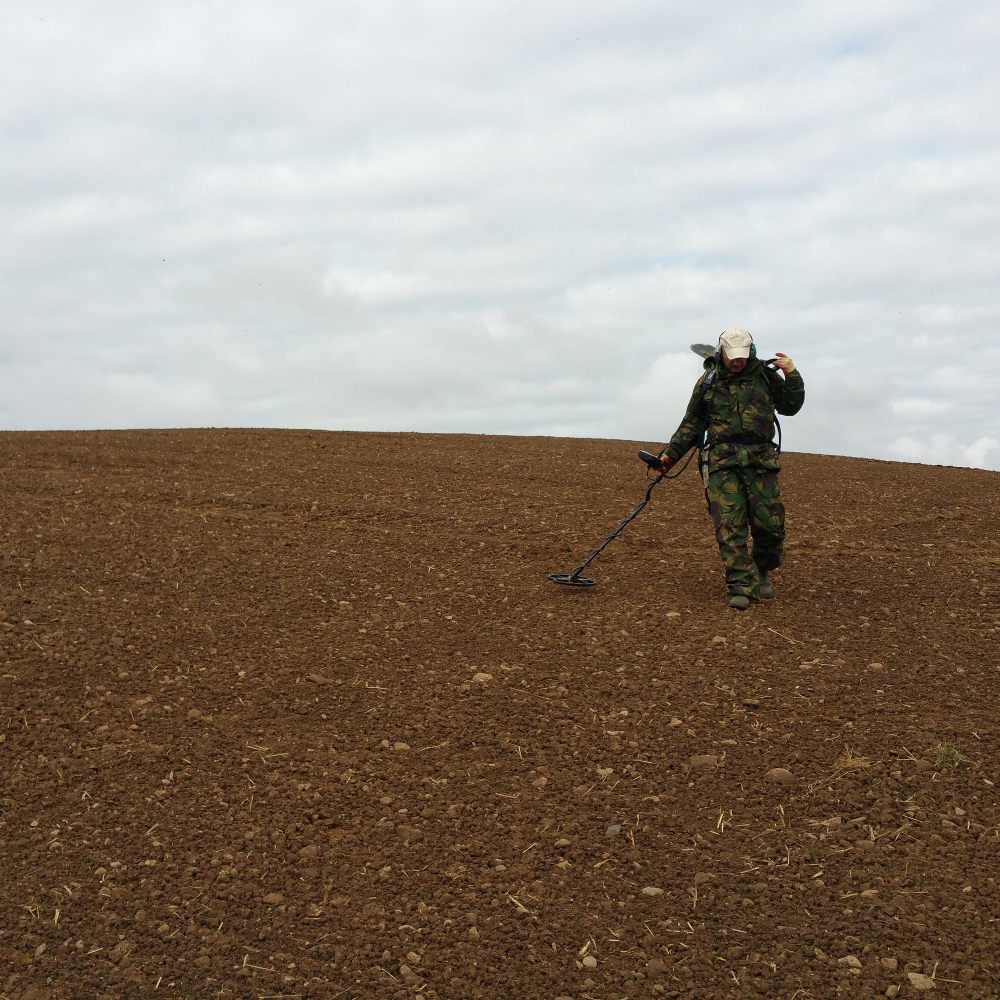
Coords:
pixel 739 601
pixel 765 589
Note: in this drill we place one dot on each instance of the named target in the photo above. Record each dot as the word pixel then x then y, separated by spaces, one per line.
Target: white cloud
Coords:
pixel 499 217
pixel 919 408
pixel 945 449
pixel 650 409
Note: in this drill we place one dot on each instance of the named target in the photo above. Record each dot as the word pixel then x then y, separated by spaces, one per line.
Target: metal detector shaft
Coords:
pixel 621 527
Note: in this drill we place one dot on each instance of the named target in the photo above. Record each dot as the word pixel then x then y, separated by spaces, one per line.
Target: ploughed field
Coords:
pixel 297 714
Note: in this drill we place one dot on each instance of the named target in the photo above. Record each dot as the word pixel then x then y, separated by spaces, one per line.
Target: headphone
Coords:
pixel 718 350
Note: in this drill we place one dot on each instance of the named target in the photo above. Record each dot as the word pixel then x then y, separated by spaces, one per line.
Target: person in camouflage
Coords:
pixel 731 417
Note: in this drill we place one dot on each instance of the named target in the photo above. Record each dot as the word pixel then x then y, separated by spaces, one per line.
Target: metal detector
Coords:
pixel 574 579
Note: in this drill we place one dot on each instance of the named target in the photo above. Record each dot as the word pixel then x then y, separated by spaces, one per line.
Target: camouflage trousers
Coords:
pixel 745 502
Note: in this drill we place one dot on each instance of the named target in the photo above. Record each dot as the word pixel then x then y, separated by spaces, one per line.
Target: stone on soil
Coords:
pixel 704 760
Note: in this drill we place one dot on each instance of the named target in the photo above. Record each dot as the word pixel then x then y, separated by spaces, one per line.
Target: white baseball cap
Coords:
pixel 736 342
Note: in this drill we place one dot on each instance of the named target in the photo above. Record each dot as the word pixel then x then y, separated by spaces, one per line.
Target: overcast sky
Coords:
pixel 501 217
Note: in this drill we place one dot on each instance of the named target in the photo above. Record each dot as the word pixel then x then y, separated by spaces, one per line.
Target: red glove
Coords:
pixel 664 463
pixel 785 364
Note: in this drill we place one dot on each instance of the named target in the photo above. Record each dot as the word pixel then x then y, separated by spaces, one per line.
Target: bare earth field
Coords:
pixel 297 714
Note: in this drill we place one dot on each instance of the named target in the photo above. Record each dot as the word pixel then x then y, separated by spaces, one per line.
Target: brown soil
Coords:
pixel 245 753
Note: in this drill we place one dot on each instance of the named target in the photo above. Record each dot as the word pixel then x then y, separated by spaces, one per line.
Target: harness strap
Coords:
pixel 745 439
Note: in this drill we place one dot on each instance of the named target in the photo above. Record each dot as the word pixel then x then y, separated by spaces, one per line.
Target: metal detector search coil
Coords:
pixel 572 580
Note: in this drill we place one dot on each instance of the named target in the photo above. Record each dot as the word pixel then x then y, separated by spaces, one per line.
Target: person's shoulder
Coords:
pixel 708 375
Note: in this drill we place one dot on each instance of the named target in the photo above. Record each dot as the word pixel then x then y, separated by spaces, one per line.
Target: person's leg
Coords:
pixel 767 522
pixel 727 503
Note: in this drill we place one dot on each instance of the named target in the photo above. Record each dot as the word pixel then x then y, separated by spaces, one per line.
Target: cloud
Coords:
pixel 921 409
pixel 945 449
pixel 499 217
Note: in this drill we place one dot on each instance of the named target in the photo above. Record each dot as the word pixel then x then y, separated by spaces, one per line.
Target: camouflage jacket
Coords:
pixel 736 412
